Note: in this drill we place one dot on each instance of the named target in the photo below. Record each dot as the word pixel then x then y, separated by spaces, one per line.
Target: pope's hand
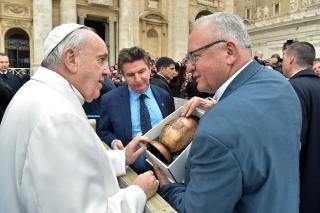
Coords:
pixel 117 145
pixel 132 151
pixel 148 183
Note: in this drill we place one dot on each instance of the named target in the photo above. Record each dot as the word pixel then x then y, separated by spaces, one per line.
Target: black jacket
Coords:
pixel 161 82
pixel 6 94
pixel 307 85
pixel 12 80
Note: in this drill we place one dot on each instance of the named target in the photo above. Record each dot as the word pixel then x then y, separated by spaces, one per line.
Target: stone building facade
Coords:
pixel 159 26
pixel 272 22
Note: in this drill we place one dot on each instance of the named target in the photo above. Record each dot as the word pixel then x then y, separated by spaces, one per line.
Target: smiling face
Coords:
pixel 137 75
pixel 92 67
pixel 210 68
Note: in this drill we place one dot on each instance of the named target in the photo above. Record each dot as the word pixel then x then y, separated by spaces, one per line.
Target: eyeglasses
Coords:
pixel 192 58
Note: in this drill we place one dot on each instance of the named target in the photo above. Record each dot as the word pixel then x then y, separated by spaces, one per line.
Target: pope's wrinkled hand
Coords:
pixel 132 151
pixel 148 183
pixel 118 145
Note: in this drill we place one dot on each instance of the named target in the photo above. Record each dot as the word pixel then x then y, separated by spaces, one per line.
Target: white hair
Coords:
pixel 227 26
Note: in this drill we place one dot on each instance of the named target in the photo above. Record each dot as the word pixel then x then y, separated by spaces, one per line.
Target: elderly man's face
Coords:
pixel 4 63
pixel 209 68
pixel 93 67
pixel 137 75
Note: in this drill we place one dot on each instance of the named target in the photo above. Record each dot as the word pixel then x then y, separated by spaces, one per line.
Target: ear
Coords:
pixel 70 60
pixel 162 69
pixel 232 52
pixel 292 58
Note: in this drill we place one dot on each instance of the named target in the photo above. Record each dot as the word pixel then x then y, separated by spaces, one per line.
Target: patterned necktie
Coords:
pixel 145 120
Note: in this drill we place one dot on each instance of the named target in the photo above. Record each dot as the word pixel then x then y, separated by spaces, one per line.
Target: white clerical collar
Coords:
pixel 78 94
pixel 224 86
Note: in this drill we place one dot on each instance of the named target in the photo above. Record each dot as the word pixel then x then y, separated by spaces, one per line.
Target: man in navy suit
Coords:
pixel 297 67
pixel 120 108
pixel 245 153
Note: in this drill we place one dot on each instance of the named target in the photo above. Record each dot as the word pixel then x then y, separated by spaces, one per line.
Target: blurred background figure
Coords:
pixel 275 62
pixel 316 67
pixel 175 83
pixel 12 80
pixel 258 55
pixel 6 95
pixel 288 43
pixel 166 71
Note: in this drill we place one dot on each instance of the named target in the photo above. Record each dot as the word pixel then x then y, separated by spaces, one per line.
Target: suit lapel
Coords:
pixel 124 104
pixel 243 76
pixel 160 101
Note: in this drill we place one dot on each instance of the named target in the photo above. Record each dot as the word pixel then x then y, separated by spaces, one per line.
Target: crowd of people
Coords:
pixel 255 148
pixel 275 61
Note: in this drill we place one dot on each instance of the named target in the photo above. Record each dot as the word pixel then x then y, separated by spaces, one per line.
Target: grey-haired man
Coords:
pixel 245 153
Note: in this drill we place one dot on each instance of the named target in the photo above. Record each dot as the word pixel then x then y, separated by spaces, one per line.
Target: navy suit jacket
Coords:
pixel 115 118
pixel 161 82
pixel 245 152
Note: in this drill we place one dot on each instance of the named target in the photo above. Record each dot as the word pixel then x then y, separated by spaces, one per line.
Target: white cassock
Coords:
pixel 51 160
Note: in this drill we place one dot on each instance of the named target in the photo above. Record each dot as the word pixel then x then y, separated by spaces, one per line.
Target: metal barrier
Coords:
pixel 20 71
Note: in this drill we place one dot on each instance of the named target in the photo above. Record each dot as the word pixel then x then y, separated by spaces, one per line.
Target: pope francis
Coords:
pixel 51 160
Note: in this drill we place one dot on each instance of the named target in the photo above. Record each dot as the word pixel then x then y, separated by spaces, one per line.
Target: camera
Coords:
pixel 288 43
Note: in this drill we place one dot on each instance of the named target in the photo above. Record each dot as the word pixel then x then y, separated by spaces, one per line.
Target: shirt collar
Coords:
pixel 224 86
pixel 136 95
pixel 4 73
pixel 78 94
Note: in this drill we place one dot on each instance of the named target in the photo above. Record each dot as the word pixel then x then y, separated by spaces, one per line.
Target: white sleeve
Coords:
pixel 67 171
pixel 118 159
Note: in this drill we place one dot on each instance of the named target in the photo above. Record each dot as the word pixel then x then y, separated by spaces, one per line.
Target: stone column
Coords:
pixel 126 24
pixel 82 18
pixel 68 11
pixel 111 41
pixel 42 25
pixel 229 6
pixel 179 29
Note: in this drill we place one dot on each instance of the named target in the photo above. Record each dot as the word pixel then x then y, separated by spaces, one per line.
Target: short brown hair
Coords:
pixel 129 55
